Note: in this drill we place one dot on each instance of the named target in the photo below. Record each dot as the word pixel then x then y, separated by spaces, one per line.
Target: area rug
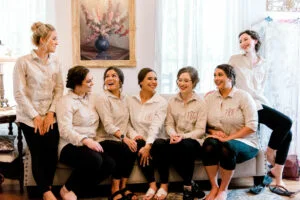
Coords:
pixel 236 194
pixel 239 194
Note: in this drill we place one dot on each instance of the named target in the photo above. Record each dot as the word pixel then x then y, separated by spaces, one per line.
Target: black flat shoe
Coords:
pixel 123 197
pixel 197 192
pixel 188 195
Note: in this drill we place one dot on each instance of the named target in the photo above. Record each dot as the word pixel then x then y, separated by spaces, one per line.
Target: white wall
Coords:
pixel 145 19
pixel 145 31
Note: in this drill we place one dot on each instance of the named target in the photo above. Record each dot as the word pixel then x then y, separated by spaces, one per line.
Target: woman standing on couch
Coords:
pixel 37 87
pixel 252 72
pixel 185 124
pixel 232 122
pixel 147 115
pixel 113 110
pixel 78 121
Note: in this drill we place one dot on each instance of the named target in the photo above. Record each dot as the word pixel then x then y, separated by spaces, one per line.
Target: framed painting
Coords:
pixel 283 5
pixel 103 33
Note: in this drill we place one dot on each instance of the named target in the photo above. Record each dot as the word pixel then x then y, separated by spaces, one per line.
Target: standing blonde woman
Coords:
pixel 37 87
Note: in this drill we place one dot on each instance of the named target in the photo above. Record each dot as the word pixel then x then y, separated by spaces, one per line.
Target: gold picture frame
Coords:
pixel 112 20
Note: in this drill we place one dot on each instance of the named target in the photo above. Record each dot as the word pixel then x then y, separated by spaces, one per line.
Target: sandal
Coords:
pixel 280 190
pixel 129 195
pixel 149 194
pixel 256 189
pixel 161 192
pixel 117 193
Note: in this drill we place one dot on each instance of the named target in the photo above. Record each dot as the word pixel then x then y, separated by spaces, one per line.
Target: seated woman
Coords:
pixel 147 114
pixel 232 122
pixel 185 124
pixel 112 108
pixel 78 121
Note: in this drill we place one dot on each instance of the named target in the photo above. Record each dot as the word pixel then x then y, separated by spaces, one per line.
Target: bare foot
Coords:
pixel 212 194
pixel 277 173
pixel 49 196
pixel 222 195
pixel 66 194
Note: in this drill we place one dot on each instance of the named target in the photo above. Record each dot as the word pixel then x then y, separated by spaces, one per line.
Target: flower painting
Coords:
pixel 103 32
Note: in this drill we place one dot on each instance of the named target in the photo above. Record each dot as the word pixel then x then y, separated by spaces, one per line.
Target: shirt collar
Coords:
pixel 193 98
pixel 75 96
pixel 230 95
pixel 153 99
pixel 109 94
pixel 36 57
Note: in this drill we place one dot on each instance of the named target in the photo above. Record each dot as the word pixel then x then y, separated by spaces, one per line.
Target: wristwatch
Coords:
pixel 122 137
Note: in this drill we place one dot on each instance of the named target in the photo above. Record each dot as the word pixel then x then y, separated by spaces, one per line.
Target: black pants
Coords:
pixel 43 150
pixel 89 167
pixel 122 155
pixel 181 155
pixel 227 154
pixel 281 136
pixel 147 170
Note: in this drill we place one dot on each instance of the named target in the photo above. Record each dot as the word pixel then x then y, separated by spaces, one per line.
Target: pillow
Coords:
pixel 7 143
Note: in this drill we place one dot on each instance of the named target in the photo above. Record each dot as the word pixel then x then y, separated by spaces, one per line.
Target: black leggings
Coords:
pixel 281 136
pixel 181 155
pixel 147 170
pixel 122 155
pixel 227 154
pixel 89 167
pixel 43 150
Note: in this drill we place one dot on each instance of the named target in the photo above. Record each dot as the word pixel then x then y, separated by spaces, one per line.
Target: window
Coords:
pixel 198 34
pixel 16 18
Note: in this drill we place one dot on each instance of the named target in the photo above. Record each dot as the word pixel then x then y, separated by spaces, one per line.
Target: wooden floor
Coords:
pixel 9 190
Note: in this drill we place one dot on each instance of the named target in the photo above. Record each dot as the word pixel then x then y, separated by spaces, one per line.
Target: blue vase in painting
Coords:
pixel 101 44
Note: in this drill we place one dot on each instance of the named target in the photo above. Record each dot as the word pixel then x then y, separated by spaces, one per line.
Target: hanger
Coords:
pixel 268 19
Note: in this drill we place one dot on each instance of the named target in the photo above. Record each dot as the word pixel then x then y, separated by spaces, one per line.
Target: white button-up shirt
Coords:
pixel 114 114
pixel 147 118
pixel 187 119
pixel 232 113
pixel 77 118
pixel 37 86
pixel 251 78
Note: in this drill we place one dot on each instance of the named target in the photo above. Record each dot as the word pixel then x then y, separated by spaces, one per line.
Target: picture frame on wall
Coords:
pixel 103 33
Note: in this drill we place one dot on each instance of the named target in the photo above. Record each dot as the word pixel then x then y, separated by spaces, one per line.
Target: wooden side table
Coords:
pixel 9 116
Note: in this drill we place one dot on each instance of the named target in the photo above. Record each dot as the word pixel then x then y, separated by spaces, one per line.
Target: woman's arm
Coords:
pixel 58 90
pixel 19 78
pixel 170 121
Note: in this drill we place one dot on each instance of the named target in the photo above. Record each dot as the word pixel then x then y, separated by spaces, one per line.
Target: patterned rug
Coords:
pixel 236 194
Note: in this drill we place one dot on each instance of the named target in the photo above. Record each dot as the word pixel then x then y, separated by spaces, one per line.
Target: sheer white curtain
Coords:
pixel 281 48
pixel 16 18
pixel 201 34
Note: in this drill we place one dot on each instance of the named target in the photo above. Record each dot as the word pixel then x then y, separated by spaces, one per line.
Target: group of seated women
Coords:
pixel 219 129
pixel 134 128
